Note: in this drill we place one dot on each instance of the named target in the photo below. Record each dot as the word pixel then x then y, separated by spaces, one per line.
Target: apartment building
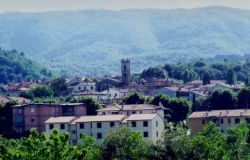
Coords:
pixel 223 119
pixel 150 125
pixel 34 115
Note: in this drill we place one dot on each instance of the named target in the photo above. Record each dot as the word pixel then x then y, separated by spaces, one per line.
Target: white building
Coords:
pixel 99 96
pixel 90 86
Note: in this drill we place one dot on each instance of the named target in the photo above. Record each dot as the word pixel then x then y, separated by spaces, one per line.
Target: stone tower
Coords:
pixel 125 66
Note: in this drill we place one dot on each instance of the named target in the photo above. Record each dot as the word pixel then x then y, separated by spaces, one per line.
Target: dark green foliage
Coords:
pixel 15 67
pixel 123 143
pixel 231 77
pixel 134 98
pixel 155 72
pixel 41 91
pixel 223 99
pixel 59 86
pixel 230 72
pixel 206 78
pixel 90 103
pixel 177 109
pixel 6 123
pixel 244 98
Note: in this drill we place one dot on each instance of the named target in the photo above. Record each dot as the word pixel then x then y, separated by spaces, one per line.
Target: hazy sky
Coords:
pixel 48 5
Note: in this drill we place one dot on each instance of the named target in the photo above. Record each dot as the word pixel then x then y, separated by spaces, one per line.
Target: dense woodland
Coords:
pixel 15 67
pixel 223 70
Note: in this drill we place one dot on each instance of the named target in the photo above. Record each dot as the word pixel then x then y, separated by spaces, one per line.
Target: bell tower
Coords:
pixel 125 66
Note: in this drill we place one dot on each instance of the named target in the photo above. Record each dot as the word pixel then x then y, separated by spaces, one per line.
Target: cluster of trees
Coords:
pixel 177 109
pixel 124 143
pixel 225 99
pixel 229 71
pixel 15 67
pixel 58 87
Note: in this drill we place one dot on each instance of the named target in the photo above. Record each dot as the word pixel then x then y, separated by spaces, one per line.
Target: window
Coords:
pixel 62 126
pixel 79 88
pixel 99 125
pixel 157 134
pixel 145 123
pixel 99 135
pixel 133 112
pixel 85 88
pixel 140 112
pixel 51 126
pixel 133 124
pixel 221 121
pixel 145 134
pixel 229 121
pixel 237 121
pixel 73 131
pixel 90 125
pixel 156 123
pixel 81 125
pixel 203 121
pixel 32 110
pixel 91 88
pixel 112 124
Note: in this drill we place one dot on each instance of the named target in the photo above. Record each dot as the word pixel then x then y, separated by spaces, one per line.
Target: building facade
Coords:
pixel 34 115
pixel 223 119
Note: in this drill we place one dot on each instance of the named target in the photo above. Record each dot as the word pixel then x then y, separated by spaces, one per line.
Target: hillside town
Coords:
pixel 78 119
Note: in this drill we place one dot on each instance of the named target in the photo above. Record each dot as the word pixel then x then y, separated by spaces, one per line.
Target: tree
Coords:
pixel 155 72
pixel 177 109
pixel 134 98
pixel 90 103
pixel 123 143
pixel 223 99
pixel 206 78
pixel 59 85
pixel 41 91
pixel 231 77
pixel 244 98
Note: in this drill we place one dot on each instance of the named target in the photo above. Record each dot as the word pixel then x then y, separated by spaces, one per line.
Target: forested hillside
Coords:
pixel 15 67
pixel 93 41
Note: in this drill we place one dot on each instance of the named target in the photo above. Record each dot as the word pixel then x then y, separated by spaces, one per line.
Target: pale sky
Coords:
pixel 52 5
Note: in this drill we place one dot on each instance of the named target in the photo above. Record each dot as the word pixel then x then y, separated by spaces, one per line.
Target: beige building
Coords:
pixel 224 119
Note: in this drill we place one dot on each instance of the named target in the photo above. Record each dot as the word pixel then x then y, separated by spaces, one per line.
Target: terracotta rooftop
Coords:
pixel 100 118
pixel 221 113
pixel 63 119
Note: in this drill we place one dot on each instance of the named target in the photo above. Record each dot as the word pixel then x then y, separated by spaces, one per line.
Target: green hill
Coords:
pixel 15 67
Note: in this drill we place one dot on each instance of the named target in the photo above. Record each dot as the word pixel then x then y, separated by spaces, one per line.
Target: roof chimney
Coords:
pixel 161 105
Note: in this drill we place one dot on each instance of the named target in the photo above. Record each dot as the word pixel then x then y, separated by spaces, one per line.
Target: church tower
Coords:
pixel 125 66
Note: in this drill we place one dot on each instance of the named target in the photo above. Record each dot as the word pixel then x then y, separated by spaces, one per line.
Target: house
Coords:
pixel 19 100
pixel 14 89
pixel 175 92
pixel 34 115
pixel 99 96
pixel 86 86
pixel 223 119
